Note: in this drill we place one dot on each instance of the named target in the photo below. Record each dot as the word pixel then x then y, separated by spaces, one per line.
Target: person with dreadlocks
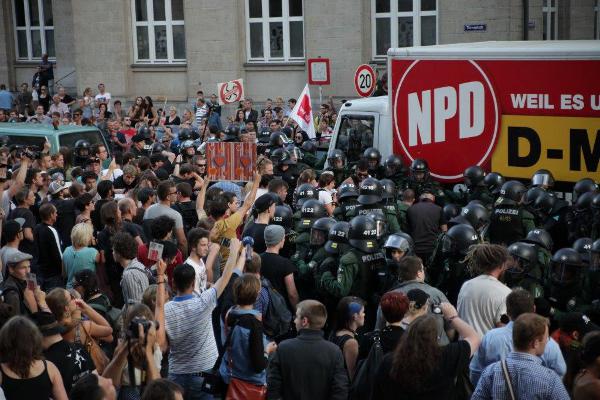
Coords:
pixel 482 300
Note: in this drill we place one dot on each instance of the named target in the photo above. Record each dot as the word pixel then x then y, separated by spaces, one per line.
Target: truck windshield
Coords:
pixel 355 135
pixel 69 139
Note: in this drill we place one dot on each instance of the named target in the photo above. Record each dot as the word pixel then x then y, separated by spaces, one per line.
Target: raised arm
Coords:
pixel 252 196
pixel 464 330
pixel 234 250
pixel 159 308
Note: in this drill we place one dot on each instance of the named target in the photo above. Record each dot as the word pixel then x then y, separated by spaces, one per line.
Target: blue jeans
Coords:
pixel 192 386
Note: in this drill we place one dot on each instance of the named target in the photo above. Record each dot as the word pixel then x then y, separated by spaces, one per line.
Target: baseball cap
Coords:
pixel 263 203
pixel 418 296
pixel 579 322
pixel 17 257
pixel 46 323
pixel 56 186
pixel 274 234
pixel 14 226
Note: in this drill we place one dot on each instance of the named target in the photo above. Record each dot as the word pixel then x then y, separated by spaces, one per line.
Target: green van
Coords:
pixel 33 134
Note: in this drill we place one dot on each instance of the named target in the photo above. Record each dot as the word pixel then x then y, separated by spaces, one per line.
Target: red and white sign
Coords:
pixel 231 161
pixel 230 92
pixel 302 113
pixel 451 119
pixel 364 80
pixel 319 72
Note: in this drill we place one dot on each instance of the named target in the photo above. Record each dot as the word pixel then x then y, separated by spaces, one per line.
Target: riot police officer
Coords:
pixel 310 211
pixel 283 216
pixel 450 211
pixel 81 152
pixel 591 286
pixel 263 141
pixel 373 157
pixel 473 177
pixel 552 214
pixel 304 192
pixel 370 198
pixel 476 215
pixel 493 182
pixel 309 155
pixel 596 217
pixel 580 217
pixel 447 269
pixel 509 221
pixel 524 270
pixel 542 178
pixel 337 164
pixel 420 180
pixel 393 168
pixel 285 168
pixel 565 290
pixel 582 186
pixel 543 243
pixel 347 202
pixel 395 247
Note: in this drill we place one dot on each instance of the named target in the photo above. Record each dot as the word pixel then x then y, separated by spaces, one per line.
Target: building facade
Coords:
pixel 169 49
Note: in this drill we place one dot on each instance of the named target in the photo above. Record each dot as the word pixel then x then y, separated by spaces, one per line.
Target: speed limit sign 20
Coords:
pixel 364 80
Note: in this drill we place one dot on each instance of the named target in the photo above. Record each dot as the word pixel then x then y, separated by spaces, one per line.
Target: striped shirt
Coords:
pixel 188 323
pixel 134 282
pixel 530 380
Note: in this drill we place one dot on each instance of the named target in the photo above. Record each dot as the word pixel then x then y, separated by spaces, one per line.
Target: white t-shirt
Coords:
pixel 482 301
pixel 201 277
pixel 325 197
pixel 104 98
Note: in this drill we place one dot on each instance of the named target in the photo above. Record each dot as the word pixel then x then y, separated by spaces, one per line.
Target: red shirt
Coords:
pixel 142 257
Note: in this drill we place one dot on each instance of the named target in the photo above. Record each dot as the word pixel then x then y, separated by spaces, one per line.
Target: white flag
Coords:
pixel 302 113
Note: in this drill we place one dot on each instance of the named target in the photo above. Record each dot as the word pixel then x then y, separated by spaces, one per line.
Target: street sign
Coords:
pixel 230 92
pixel 230 161
pixel 475 27
pixel 364 80
pixel 451 119
pixel 319 71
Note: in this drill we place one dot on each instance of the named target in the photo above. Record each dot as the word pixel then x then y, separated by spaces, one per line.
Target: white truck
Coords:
pixel 510 107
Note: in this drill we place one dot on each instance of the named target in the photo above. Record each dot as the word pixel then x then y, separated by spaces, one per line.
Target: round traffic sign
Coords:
pixel 451 119
pixel 231 92
pixel 364 80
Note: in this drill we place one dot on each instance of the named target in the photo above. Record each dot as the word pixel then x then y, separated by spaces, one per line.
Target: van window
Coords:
pixel 355 135
pixel 69 139
pixel 28 141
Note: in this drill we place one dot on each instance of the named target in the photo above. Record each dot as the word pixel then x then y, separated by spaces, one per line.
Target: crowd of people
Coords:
pixel 127 273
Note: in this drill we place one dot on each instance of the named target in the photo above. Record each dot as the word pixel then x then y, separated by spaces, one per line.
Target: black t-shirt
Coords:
pixel 119 183
pixel 133 229
pixel 26 246
pixel 440 384
pixel 424 221
pixel 275 268
pixel 67 99
pixel 96 216
pixel 390 337
pixel 256 232
pixel 71 359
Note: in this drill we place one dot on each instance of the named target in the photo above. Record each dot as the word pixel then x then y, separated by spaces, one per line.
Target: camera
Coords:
pixel 29 152
pixel 133 330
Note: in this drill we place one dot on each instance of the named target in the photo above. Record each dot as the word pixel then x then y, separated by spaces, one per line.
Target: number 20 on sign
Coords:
pixel 364 80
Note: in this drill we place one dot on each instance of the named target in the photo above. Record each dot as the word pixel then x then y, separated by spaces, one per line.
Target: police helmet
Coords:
pixel 144 132
pixel 82 148
pixel 380 221
pixel 187 144
pixel 396 242
pixel 494 182
pixel 283 217
pixel 595 256
pixel 524 258
pixel 542 177
pixel 544 204
pixel 389 189
pixel 531 195
pixel 309 146
pixel 282 157
pixel 584 202
pixel 335 155
pixel 158 147
pixel 458 239
pixel 410 240
pixel 596 202
pixel 311 210
pixel 583 186
pixel 185 134
pixel 419 166
pixel 540 237
pixel 473 176
pixel 393 165
pixel 232 133
pixel 278 139
pixel 474 214
pixel 338 235
pixel 566 266
pixel 320 231
pixel 370 191
pixel 513 190
pixel 583 247
pixel 264 137
pixel 450 211
pixel 362 234
pixel 304 192
pixel 347 190
pixel 372 154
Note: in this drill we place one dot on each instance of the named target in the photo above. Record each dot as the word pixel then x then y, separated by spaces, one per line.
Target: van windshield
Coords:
pixel 355 135
pixel 69 139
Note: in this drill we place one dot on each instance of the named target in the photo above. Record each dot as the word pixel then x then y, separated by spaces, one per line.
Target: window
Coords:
pixel 550 24
pixel 274 30
pixel 34 29
pixel 158 31
pixel 597 20
pixel 355 135
pixel 402 23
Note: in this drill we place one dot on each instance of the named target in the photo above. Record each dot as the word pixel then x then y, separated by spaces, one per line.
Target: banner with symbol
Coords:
pixel 231 161
pixel 230 92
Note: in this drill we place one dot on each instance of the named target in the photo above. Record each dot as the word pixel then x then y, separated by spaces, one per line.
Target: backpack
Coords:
pixel 277 319
pixel 365 371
